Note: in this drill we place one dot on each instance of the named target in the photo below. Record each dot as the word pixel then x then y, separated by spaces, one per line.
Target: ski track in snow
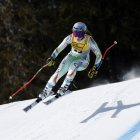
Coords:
pixel 107 112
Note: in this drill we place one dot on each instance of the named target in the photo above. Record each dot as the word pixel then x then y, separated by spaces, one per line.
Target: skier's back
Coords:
pixel 76 60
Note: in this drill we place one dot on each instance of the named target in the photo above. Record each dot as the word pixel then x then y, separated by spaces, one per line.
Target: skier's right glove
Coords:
pixel 51 61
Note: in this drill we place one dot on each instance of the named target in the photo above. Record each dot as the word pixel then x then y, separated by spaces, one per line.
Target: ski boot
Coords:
pixel 45 93
pixel 60 92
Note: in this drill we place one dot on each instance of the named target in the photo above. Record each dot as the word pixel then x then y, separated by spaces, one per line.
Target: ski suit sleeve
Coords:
pixel 62 46
pixel 95 49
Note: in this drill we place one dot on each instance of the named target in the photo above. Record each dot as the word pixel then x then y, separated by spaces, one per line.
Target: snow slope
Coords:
pixel 107 112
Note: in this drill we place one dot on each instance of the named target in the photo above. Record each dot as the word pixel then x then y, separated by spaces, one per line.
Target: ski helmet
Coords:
pixel 79 26
pixel 79 29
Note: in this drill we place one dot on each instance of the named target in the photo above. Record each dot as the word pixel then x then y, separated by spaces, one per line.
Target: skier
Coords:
pixel 76 60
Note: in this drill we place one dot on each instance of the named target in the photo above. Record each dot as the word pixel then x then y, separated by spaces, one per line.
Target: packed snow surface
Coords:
pixel 107 112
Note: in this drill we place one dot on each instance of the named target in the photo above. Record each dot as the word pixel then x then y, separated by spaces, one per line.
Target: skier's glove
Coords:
pixel 93 72
pixel 51 61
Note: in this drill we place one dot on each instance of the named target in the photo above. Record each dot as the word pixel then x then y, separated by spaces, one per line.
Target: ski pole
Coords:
pixel 27 83
pixel 115 42
pixel 104 55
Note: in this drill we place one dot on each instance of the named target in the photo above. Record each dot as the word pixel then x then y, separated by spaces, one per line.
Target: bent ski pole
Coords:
pixel 104 55
pixel 115 42
pixel 27 83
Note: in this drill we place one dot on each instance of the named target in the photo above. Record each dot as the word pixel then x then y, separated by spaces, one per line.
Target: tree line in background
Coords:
pixel 31 29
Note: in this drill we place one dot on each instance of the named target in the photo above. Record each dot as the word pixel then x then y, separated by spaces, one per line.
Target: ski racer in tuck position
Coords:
pixel 76 60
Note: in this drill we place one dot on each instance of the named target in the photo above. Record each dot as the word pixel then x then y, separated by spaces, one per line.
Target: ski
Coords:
pixel 29 107
pixel 38 100
pixel 55 97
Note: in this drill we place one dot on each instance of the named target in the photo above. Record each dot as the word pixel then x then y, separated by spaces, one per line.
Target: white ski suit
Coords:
pixel 76 60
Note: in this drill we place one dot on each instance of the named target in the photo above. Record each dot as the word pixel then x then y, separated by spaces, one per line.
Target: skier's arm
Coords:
pixel 62 46
pixel 95 49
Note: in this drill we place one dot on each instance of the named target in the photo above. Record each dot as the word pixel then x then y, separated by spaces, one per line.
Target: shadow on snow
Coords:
pixel 120 106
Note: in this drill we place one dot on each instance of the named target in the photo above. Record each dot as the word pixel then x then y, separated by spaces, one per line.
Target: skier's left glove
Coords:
pixel 51 61
pixel 93 72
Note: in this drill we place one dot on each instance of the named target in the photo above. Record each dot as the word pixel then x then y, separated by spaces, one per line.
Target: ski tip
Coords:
pixel 25 110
